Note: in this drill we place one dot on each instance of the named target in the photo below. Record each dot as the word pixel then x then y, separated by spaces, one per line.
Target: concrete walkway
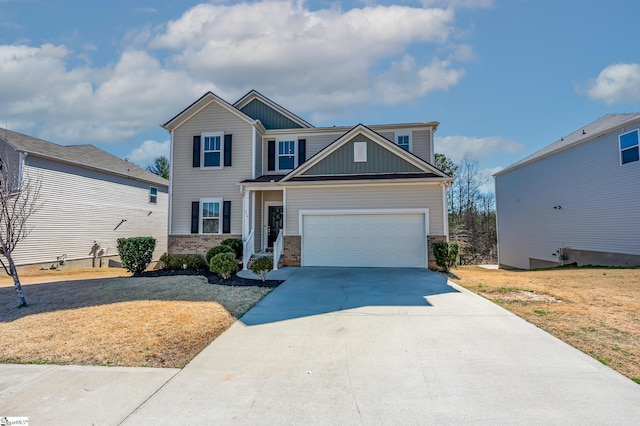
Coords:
pixel 346 346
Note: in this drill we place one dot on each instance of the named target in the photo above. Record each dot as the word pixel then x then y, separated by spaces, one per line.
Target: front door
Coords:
pixel 275 224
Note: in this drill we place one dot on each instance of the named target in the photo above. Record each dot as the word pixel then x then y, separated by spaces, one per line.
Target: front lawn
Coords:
pixel 596 310
pixel 91 317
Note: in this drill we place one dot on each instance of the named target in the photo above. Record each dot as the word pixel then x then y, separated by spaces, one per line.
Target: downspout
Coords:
pixel 170 186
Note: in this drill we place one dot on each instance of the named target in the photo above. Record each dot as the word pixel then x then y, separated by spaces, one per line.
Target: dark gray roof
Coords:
pixel 592 130
pixel 380 176
pixel 87 156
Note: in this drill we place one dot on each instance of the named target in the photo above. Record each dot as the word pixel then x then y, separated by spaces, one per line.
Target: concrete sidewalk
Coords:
pixel 346 346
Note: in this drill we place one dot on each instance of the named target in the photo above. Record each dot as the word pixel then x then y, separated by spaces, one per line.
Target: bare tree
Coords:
pixel 19 195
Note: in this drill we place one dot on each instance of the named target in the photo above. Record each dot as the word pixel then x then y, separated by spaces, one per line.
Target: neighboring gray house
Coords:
pixel 89 198
pixel 575 201
pixel 321 196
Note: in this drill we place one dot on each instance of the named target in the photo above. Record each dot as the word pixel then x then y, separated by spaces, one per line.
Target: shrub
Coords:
pixel 136 253
pixel 223 264
pixel 235 244
pixel 261 267
pixel 179 261
pixel 445 253
pixel 217 250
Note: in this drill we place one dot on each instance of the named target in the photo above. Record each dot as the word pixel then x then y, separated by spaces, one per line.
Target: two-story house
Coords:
pixel 323 196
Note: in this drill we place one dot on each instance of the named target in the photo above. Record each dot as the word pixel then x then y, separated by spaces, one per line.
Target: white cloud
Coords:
pixel 456 147
pixel 314 60
pixel 459 3
pixel 84 104
pixel 148 151
pixel 317 62
pixel 618 83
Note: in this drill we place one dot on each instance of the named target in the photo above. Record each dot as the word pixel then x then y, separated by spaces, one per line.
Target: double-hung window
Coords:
pixel 629 147
pixel 210 216
pixel 212 149
pixel 286 154
pixel 153 195
pixel 403 140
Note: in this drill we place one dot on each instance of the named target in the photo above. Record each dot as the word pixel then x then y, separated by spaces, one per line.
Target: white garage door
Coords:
pixel 365 240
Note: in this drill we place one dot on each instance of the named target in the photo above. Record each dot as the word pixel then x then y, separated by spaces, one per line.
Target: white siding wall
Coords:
pixel 80 206
pixel 600 202
pixel 365 197
pixel 9 157
pixel 192 183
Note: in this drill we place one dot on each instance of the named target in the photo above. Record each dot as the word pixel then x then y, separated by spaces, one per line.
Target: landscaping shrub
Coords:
pixel 136 253
pixel 235 244
pixel 217 250
pixel 445 253
pixel 182 261
pixel 261 267
pixel 224 264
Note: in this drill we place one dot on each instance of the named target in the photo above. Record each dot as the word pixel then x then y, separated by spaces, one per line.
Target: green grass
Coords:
pixel 541 312
pixel 636 379
pixel 602 360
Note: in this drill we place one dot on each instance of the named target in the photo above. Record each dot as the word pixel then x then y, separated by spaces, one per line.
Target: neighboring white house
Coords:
pixel 575 201
pixel 89 198
pixel 325 196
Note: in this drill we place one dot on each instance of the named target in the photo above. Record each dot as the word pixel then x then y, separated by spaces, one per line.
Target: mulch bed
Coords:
pixel 234 280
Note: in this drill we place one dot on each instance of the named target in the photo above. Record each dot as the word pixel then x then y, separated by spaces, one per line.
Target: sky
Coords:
pixel 504 78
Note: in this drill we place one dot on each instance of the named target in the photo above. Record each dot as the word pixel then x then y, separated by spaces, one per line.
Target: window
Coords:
pixel 286 154
pixel 211 149
pixel 153 195
pixel 359 152
pixel 210 216
pixel 403 139
pixel 629 151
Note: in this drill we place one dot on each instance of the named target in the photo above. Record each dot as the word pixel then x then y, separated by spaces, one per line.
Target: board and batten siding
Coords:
pixel 193 183
pixel 356 197
pixel 599 200
pixel 79 206
pixel 379 160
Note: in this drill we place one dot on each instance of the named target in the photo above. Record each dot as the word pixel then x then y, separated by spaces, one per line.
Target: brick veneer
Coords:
pixel 200 244
pixel 291 250
pixel 430 240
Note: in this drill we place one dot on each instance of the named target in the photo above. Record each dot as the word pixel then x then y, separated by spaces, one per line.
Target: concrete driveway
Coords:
pixel 387 346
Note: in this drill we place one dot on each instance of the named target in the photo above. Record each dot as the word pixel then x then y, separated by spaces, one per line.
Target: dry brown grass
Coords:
pixel 103 317
pixel 596 310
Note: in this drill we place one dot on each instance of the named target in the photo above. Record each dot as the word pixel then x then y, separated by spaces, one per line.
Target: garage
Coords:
pixel 365 239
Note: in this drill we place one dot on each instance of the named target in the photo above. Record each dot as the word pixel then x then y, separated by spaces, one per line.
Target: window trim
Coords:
pixel 152 195
pixel 636 146
pixel 205 135
pixel 293 139
pixel 200 218
pixel 407 133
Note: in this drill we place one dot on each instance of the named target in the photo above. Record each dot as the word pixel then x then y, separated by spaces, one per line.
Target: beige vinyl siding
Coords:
pixel 599 200
pixel 257 236
pixel 192 183
pixel 80 206
pixel 349 197
pixel 422 144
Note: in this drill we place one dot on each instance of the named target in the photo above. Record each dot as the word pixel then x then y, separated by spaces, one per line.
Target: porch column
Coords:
pixel 245 214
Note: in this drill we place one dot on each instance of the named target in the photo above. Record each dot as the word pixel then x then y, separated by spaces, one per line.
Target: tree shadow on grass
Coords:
pixel 74 294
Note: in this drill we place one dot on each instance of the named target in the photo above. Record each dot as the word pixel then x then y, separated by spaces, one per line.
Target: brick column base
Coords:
pixel 196 243
pixel 291 250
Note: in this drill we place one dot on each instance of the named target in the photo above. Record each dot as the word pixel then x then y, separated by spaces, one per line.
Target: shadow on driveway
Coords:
pixel 313 291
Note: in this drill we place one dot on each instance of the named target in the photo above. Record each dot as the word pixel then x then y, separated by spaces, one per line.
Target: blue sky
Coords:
pixel 504 78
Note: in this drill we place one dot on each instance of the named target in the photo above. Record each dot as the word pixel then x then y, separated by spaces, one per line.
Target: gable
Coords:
pixel 269 117
pixel 379 160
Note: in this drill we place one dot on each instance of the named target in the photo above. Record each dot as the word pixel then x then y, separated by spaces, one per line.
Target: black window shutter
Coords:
pixel 196 151
pixel 226 217
pixel 195 216
pixel 271 160
pixel 227 150
pixel 302 151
